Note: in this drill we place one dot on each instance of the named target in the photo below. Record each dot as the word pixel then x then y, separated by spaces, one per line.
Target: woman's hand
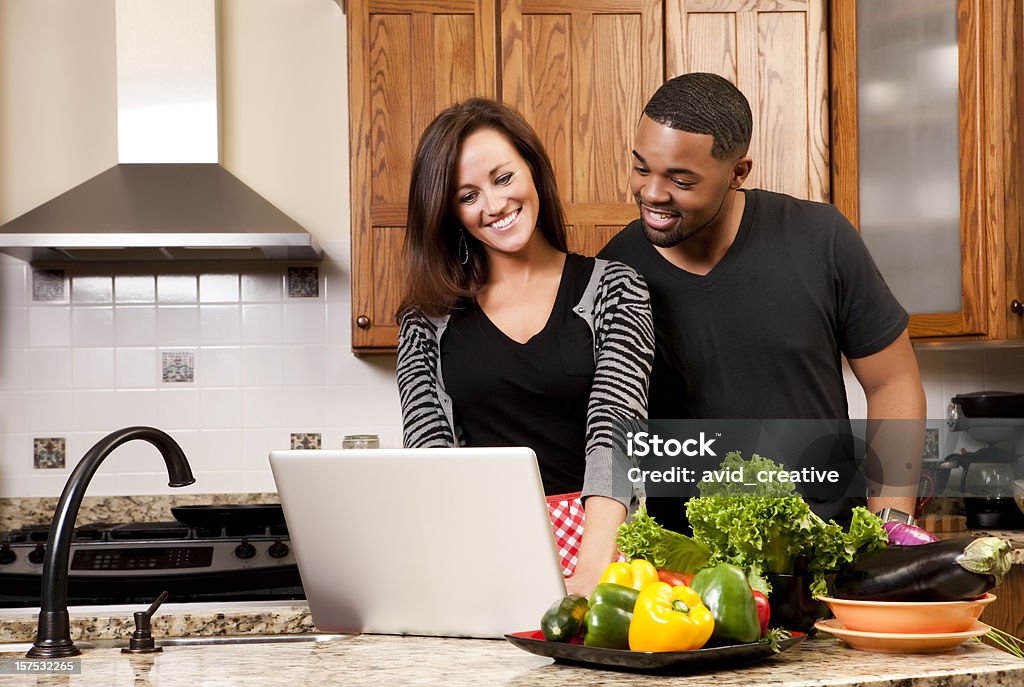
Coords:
pixel 582 582
pixel 602 519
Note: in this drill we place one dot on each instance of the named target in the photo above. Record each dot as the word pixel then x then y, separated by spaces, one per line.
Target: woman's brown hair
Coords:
pixel 437 281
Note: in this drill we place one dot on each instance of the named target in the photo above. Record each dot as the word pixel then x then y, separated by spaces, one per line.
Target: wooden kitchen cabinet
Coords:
pixel 988 35
pixel 408 59
pixel 580 71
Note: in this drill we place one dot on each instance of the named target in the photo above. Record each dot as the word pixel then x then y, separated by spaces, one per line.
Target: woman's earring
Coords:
pixel 463 248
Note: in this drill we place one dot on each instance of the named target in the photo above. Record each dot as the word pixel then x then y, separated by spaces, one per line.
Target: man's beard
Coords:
pixel 678 233
pixel 667 239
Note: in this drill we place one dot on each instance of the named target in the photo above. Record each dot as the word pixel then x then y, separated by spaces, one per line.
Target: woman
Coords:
pixel 506 338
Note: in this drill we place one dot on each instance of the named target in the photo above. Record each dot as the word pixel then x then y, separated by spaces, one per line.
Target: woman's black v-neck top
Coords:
pixel 506 393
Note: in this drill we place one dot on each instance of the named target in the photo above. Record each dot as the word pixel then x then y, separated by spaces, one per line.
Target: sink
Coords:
pixel 22 647
pixel 238 639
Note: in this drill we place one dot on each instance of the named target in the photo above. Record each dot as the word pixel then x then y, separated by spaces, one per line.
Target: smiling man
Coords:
pixel 757 295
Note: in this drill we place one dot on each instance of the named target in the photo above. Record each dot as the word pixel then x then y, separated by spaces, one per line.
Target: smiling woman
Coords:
pixel 509 340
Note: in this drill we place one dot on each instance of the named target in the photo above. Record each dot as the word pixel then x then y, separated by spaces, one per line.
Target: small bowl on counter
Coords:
pixel 1018 493
pixel 908 617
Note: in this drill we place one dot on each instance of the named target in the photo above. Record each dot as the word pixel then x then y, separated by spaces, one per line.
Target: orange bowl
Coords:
pixel 908 617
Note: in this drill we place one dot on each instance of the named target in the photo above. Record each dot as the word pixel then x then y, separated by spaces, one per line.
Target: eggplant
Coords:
pixel 950 570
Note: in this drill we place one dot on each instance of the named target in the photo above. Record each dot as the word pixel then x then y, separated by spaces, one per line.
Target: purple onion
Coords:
pixel 901 534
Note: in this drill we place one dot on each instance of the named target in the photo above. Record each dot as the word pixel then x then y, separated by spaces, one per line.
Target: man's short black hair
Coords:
pixel 702 103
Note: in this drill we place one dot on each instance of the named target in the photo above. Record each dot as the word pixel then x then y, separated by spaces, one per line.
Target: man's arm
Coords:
pixel 892 385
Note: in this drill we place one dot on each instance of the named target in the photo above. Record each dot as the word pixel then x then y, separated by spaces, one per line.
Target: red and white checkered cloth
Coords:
pixel 566 513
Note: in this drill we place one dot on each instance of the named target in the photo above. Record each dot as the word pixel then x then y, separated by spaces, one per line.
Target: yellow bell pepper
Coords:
pixel 668 618
pixel 636 573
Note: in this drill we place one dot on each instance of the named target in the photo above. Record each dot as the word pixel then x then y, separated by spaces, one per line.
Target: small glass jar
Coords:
pixel 360 441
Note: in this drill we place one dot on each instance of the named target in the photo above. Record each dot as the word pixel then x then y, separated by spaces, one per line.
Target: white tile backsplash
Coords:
pixel 14 327
pixel 304 365
pixel 92 368
pixel 220 325
pixel 220 409
pixel 220 365
pixel 50 368
pixel 262 365
pixel 218 288
pixel 92 290
pixel 178 409
pixel 134 325
pixel 136 368
pixel 13 281
pixel 93 409
pixel 134 407
pixel 265 366
pixel 50 413
pixel 177 325
pixel 50 326
pixel 263 287
pixel 304 321
pixel 177 288
pixel 92 326
pixel 262 324
pixel 131 288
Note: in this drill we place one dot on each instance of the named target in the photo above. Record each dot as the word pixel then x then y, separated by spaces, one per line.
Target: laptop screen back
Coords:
pixel 446 542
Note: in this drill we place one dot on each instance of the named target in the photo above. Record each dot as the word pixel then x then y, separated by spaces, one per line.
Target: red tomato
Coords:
pixel 764 612
pixel 673 578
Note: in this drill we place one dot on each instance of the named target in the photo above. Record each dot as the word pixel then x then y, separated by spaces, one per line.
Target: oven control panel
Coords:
pixel 141 559
pixel 156 558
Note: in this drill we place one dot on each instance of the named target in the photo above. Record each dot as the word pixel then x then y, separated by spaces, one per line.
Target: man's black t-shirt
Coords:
pixel 762 334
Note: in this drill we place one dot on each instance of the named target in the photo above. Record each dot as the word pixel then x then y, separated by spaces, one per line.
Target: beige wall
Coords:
pixel 284 111
pixel 284 105
pixel 57 98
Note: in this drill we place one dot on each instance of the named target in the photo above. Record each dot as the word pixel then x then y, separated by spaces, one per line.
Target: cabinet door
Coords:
pixel 775 52
pixel 977 70
pixel 408 59
pixel 581 71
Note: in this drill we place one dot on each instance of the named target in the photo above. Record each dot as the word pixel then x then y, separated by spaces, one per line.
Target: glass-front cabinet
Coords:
pixel 926 155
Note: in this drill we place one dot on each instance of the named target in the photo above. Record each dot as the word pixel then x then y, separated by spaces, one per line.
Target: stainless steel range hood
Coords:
pixel 168 198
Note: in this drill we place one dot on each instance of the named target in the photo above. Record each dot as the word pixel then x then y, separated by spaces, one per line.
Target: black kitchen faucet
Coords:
pixel 53 638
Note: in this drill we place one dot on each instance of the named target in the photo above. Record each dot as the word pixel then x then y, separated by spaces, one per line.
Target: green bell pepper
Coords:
pixel 726 593
pixel 607 620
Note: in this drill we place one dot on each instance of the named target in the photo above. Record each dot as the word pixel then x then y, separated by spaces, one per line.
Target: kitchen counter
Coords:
pixel 390 660
pixel 170 620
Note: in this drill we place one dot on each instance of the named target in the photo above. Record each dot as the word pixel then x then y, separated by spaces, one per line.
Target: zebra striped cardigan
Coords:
pixel 616 307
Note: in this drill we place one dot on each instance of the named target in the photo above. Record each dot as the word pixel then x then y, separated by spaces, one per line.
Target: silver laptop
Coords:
pixel 443 542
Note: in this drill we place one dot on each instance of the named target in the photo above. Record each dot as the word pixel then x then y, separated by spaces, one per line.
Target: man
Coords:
pixel 757 295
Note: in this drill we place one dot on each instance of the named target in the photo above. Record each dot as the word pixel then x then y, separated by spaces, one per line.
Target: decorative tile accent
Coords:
pixel 305 440
pixel 931 444
pixel 303 282
pixel 48 452
pixel 178 366
pixel 48 285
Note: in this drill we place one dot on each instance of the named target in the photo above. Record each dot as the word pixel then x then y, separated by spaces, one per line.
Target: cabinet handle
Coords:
pixel 1016 307
pixel 363 322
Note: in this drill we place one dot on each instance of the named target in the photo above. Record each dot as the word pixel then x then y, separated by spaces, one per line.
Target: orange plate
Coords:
pixel 894 643
pixel 908 617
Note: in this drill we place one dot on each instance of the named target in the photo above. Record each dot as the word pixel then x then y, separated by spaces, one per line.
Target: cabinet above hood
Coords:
pixel 168 198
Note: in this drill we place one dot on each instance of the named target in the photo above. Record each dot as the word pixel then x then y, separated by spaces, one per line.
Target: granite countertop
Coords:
pixel 171 620
pixel 390 660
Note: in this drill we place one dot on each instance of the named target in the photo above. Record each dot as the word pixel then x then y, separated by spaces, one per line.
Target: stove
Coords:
pixel 134 563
